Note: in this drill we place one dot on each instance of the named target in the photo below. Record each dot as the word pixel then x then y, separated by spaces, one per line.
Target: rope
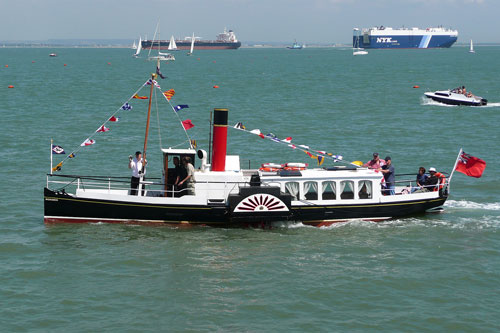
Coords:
pixel 107 120
pixel 179 118
pixel 302 148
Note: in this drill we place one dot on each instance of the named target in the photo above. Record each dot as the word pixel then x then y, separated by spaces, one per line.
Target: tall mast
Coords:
pixel 153 77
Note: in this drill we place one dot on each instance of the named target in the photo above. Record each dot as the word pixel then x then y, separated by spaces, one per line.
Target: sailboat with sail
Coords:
pixel 356 50
pixel 138 48
pixel 171 46
pixel 192 46
pixel 161 55
pixel 134 46
pixel 471 48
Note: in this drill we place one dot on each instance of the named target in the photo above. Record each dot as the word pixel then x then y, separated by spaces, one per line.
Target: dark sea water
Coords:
pixel 436 272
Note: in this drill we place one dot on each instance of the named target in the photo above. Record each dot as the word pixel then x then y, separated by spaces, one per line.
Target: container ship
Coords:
pixel 225 40
pixel 404 38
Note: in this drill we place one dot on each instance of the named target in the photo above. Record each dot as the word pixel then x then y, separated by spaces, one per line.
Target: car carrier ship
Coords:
pixel 225 40
pixel 405 38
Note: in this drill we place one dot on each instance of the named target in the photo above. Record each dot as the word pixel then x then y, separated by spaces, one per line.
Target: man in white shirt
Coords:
pixel 136 164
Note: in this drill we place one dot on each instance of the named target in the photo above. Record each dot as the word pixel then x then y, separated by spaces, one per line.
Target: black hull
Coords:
pixel 198 45
pixel 456 102
pixel 65 208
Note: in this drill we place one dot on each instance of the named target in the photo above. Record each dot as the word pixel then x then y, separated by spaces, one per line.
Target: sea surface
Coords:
pixel 435 272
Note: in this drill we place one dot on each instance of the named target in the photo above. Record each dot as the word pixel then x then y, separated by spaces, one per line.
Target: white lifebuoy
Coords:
pixel 296 165
pixel 271 165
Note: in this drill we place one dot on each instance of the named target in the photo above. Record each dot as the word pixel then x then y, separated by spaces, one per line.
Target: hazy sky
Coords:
pixel 325 21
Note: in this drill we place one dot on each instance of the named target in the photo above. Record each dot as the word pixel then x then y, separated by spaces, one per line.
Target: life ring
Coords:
pixel 267 169
pixel 296 165
pixel 290 168
pixel 271 165
pixel 442 181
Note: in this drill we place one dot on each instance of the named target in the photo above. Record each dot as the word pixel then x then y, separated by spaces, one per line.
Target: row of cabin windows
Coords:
pixel 329 190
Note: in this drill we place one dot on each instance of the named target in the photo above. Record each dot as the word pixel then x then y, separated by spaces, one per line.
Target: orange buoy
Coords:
pixel 33 62
pixel 64 64
pixel 6 65
pixel 109 63
pixel 198 59
pixel 416 86
pixel 216 86
pixel 213 61
pixel 11 86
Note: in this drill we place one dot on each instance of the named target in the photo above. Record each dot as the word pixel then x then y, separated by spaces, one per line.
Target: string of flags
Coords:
pixel 318 155
pixel 186 124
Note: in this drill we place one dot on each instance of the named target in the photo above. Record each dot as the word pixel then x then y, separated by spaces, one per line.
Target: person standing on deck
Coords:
pixel 189 180
pixel 375 163
pixel 136 164
pixel 389 177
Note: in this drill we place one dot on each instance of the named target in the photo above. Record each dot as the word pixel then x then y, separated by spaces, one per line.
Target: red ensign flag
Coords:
pixel 470 165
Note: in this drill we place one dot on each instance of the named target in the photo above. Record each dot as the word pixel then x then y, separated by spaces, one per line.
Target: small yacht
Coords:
pixel 456 97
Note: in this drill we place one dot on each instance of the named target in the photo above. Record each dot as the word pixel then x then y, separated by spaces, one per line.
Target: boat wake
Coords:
pixel 472 205
pixel 491 105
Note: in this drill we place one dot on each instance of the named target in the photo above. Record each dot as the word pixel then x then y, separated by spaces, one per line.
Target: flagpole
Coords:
pixel 454 167
pixel 51 143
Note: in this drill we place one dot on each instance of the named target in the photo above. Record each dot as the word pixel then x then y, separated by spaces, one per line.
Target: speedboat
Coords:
pixel 53 55
pixel 452 97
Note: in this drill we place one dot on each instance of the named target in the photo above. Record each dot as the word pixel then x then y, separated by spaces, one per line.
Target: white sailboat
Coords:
pixel 172 46
pixel 138 48
pixel 161 56
pixel 134 46
pixel 471 49
pixel 192 46
pixel 356 50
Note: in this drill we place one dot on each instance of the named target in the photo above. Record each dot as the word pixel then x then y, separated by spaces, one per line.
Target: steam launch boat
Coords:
pixel 456 97
pixel 224 40
pixel 220 192
pixel 405 38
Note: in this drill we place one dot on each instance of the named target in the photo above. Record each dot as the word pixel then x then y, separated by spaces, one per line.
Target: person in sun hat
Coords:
pixel 389 177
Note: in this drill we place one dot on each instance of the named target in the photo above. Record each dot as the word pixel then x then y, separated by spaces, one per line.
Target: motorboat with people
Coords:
pixel 221 191
pixel 457 96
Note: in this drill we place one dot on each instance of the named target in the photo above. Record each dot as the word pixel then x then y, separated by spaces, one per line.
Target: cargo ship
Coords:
pixel 225 40
pixel 405 38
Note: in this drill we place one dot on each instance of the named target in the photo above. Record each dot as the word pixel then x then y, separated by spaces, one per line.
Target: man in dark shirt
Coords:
pixel 431 182
pixel 390 179
pixel 180 174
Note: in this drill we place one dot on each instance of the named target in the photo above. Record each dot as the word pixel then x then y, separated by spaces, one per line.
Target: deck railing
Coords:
pixel 148 187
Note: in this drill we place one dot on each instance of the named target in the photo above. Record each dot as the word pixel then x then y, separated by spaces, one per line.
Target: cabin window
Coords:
pixel 311 190
pixel 329 190
pixel 365 189
pixel 347 189
pixel 293 189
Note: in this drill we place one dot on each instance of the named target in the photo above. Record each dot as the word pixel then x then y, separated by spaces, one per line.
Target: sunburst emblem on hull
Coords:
pixel 261 203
